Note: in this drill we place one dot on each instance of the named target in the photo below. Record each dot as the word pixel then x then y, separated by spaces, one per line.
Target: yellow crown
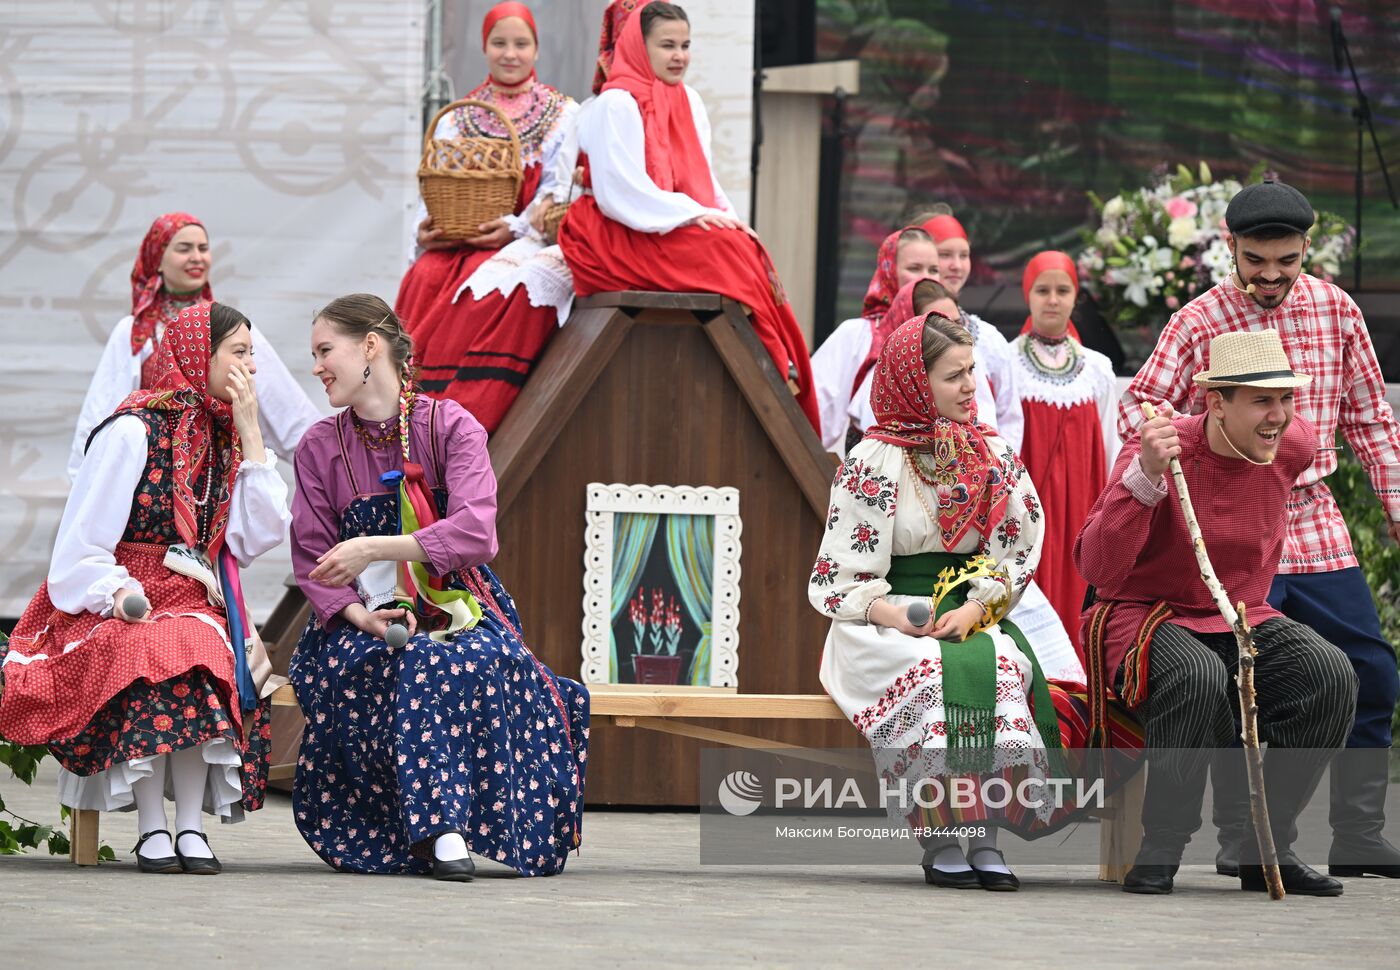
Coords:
pixel 977 567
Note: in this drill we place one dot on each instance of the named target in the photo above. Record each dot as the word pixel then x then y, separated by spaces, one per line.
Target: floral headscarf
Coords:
pixel 885 283
pixel 613 20
pixel 148 296
pixel 971 489
pixel 183 387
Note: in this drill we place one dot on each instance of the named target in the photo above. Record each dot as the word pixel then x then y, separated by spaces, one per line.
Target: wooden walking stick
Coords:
pixel 1249 705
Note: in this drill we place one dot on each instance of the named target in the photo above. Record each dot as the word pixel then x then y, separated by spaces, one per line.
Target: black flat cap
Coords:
pixel 1268 205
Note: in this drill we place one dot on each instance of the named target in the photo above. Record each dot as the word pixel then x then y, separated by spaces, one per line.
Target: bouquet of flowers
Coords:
pixel 1159 247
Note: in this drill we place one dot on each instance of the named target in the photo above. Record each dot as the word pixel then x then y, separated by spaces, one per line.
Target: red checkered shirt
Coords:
pixel 1324 335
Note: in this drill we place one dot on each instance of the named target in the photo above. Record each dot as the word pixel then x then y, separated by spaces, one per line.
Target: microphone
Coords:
pixel 1336 14
pixel 1249 289
pixel 917 614
pixel 135 606
pixel 396 635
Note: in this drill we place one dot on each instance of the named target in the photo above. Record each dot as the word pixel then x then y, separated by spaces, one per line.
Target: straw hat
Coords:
pixel 1252 359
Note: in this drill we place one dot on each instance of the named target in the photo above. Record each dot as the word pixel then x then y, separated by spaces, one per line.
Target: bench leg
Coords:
pixel 1120 830
pixel 82 837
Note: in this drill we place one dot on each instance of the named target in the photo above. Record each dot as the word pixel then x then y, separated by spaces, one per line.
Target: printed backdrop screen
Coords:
pixel 290 130
pixel 1010 111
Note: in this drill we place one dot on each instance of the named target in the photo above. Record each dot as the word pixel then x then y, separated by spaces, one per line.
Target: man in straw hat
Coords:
pixel 1164 645
pixel 1319 582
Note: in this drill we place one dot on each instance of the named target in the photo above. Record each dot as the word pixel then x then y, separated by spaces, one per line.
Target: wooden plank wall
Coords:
pixel 664 410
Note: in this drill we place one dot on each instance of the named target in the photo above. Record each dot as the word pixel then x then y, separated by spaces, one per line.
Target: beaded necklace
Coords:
pixel 919 492
pixel 1055 373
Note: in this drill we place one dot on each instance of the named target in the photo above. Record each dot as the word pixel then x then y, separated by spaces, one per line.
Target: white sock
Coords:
pixel 189 775
pixel 449 847
pixel 950 858
pixel 150 810
pixel 986 861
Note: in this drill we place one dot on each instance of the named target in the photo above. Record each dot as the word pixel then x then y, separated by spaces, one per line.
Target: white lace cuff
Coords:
pixel 106 587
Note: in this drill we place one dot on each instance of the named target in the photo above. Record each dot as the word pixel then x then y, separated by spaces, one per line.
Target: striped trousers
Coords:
pixel 1306 691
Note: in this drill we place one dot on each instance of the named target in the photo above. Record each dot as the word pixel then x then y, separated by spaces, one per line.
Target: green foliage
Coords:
pixel 18 833
pixel 1377 553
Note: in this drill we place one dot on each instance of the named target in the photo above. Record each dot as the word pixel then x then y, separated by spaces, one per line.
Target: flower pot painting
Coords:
pixel 661 586
pixel 662 634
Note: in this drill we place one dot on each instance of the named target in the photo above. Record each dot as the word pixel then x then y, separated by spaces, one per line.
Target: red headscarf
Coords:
pixel 613 20
pixel 901 309
pixel 1043 262
pixel 674 158
pixel 148 296
pixel 183 387
pixel 943 227
pixel 885 283
pixel 503 10
pixel 972 491
pixel 500 12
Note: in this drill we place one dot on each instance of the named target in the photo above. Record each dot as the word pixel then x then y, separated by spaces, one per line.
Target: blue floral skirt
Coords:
pixel 471 735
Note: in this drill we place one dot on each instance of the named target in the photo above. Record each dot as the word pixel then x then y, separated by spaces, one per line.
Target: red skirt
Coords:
pixel 606 256
pixel 424 304
pixel 63 669
pixel 484 359
pixel 1063 451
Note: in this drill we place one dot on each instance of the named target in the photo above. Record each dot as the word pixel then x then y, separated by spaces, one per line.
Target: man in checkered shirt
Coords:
pixel 1319 582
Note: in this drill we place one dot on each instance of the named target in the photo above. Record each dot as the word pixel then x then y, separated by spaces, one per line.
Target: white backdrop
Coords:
pixel 290 129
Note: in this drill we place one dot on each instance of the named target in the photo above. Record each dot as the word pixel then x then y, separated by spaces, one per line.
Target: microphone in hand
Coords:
pixel 396 635
pixel 134 606
pixel 917 614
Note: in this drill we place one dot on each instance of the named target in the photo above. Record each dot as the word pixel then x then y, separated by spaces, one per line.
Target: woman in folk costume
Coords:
pixel 1069 399
pixel 172 272
pixel 134 708
pixel 842 364
pixel 476 345
pixel 993 351
pixel 413 753
pixel 1033 613
pixel 656 218
pixel 929 494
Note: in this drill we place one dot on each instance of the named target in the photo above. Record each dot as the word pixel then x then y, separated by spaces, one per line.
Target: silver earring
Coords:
pixel 366 380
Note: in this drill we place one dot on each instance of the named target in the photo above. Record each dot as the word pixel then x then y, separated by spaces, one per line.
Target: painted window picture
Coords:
pixel 661 586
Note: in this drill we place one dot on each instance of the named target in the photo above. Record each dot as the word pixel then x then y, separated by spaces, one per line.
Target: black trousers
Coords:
pixel 1306 691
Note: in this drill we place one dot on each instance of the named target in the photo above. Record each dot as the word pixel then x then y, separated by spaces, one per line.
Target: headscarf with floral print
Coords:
pixel 148 296
pixel 884 285
pixel 182 386
pixel 901 309
pixel 613 20
pixel 967 478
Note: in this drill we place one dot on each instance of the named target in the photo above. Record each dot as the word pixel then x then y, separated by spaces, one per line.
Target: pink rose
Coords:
pixel 1181 208
pixel 1173 303
pixel 1187 262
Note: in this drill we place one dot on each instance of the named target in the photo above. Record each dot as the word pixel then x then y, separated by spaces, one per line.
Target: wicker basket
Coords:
pixel 553 215
pixel 469 181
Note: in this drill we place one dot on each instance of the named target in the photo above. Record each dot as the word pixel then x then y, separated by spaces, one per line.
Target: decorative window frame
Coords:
pixel 603 502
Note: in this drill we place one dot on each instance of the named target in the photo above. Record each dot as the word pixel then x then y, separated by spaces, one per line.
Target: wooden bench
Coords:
pixel 673 711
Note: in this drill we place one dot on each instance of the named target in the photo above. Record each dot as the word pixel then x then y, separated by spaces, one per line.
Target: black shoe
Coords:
pixel 1298 879
pixel 1360 778
pixel 168 863
pixel 1146 879
pixel 1227 860
pixel 1382 859
pixel 196 865
pixel 454 870
pixel 997 882
pixel 966 879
